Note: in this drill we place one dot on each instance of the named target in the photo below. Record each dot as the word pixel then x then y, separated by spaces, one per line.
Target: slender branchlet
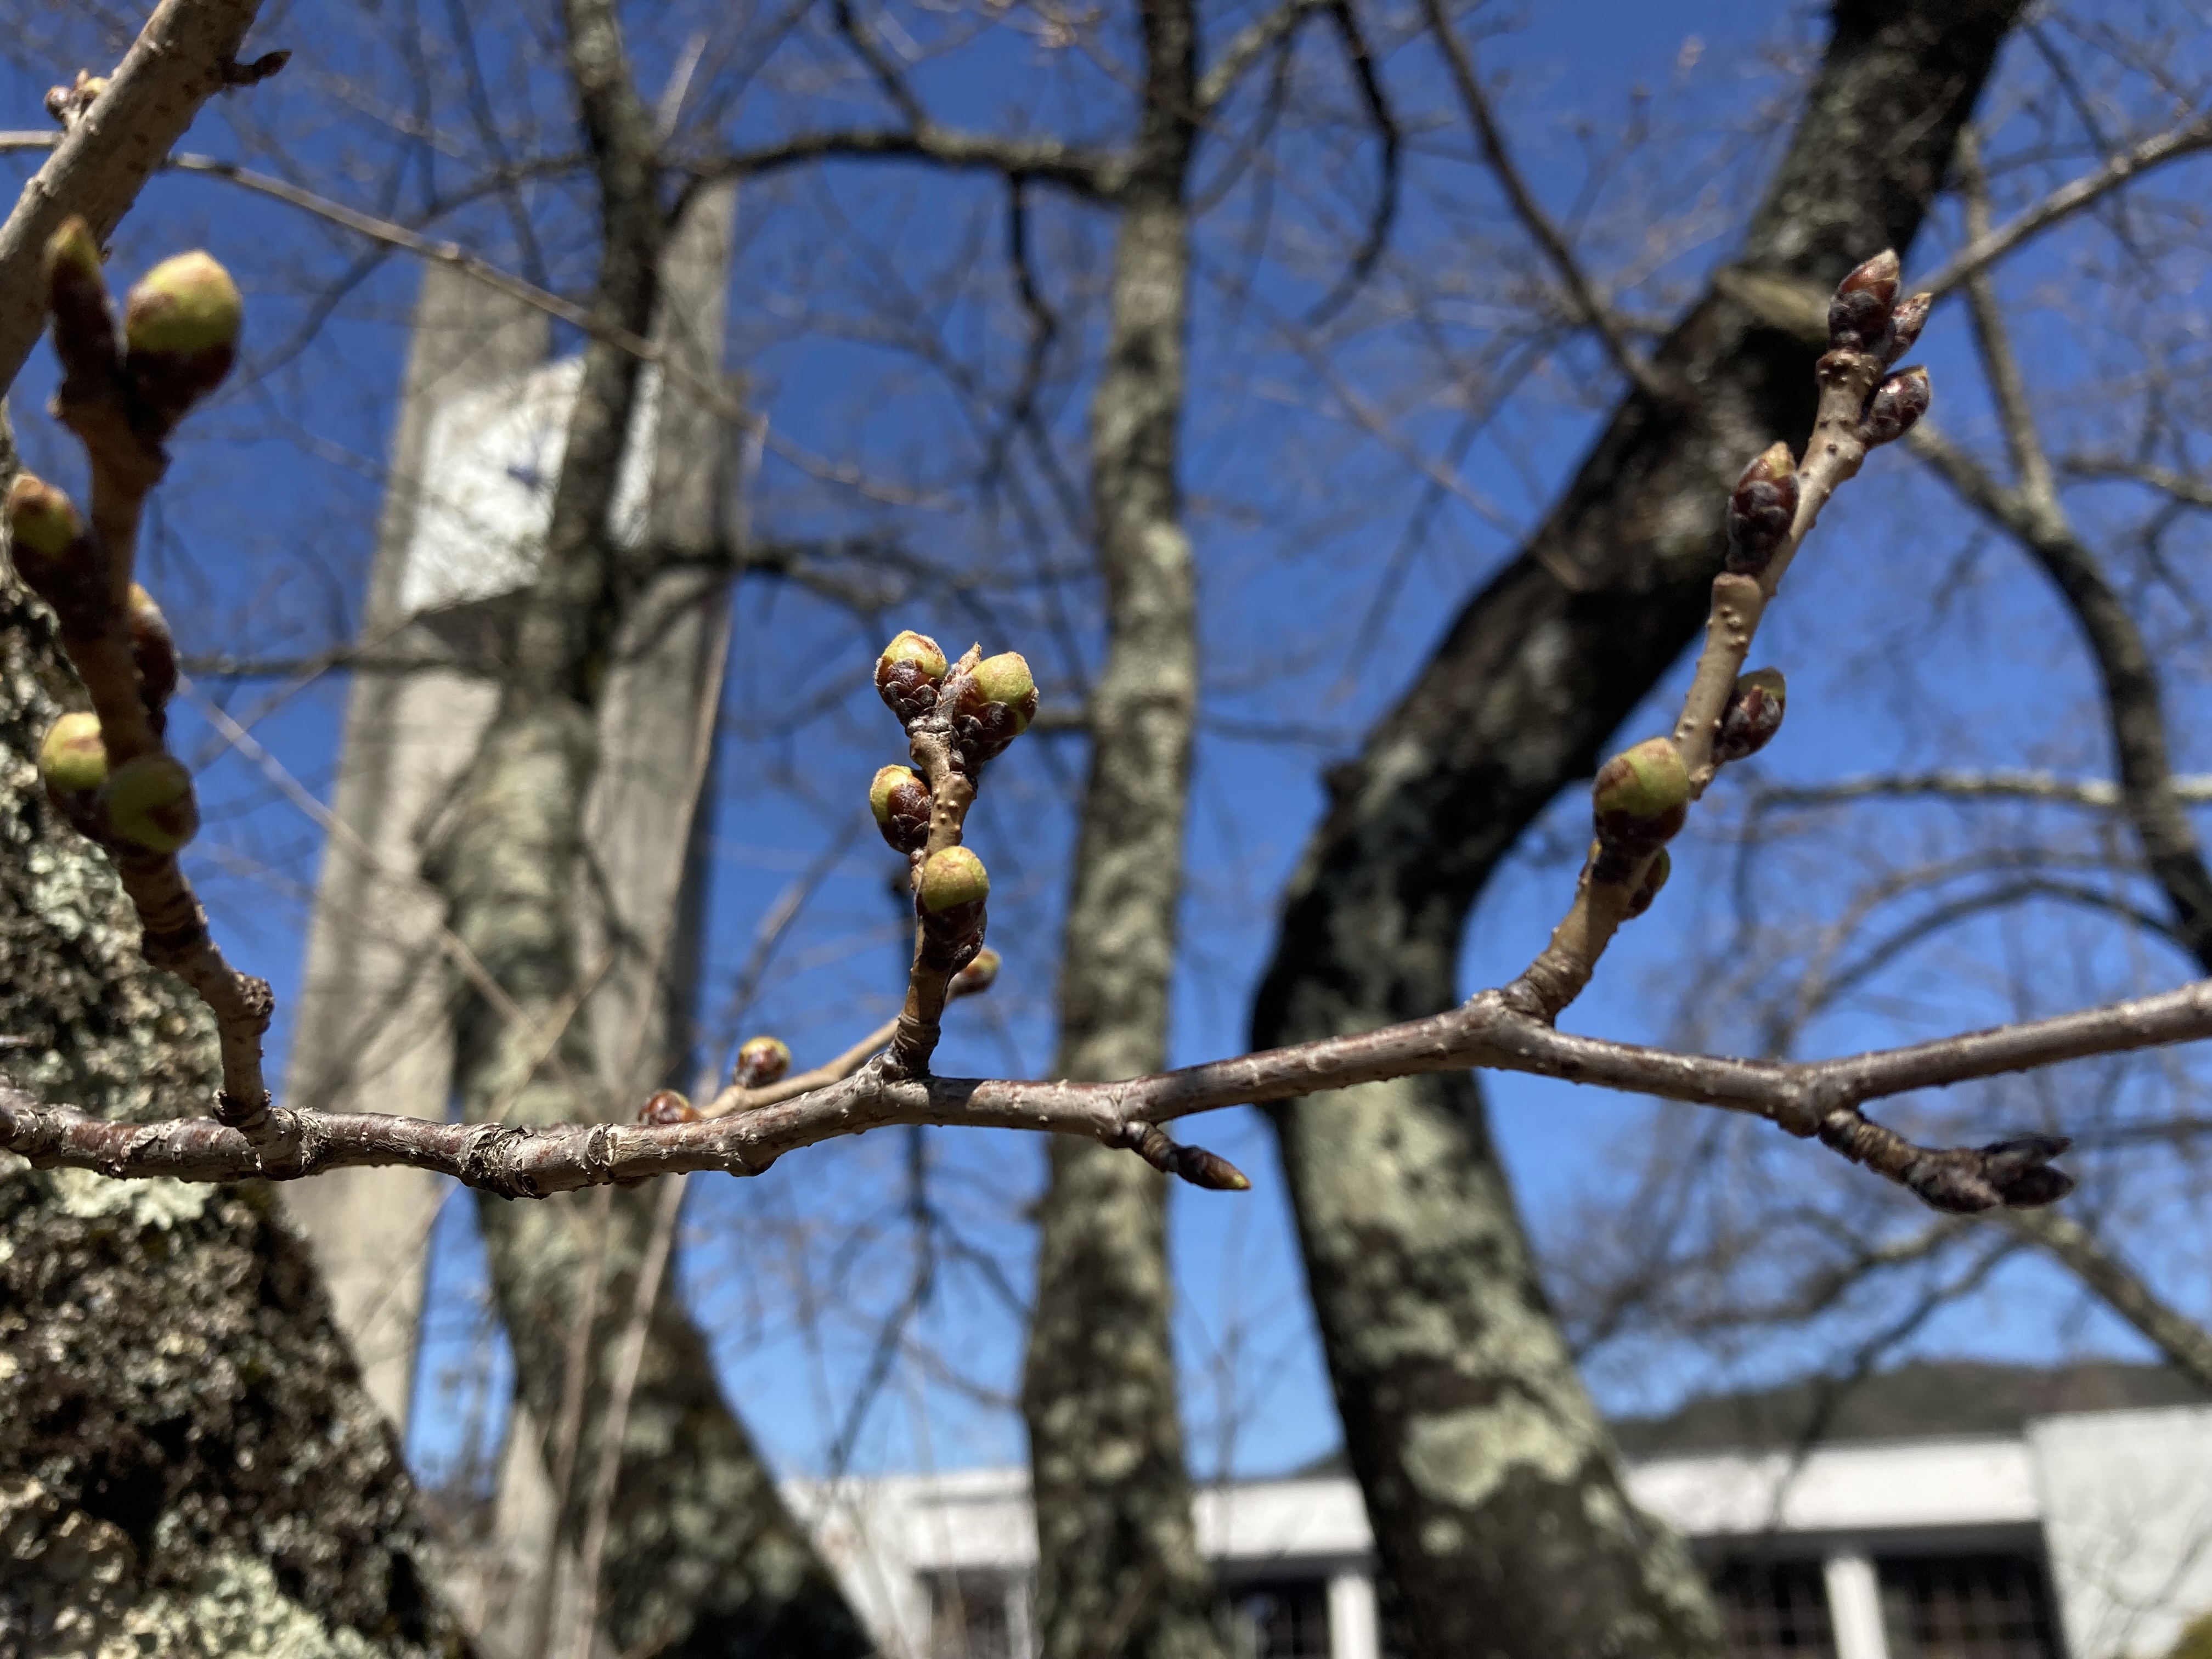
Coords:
pixel 122 392
pixel 1643 795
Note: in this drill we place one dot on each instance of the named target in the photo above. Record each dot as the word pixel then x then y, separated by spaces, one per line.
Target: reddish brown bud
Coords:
pixel 1906 322
pixel 954 877
pixel 1858 317
pixel 1655 878
pixel 1752 716
pixel 84 326
pixel 1761 508
pixel 978 975
pixel 908 672
pixel 152 651
pixel 150 803
pixel 992 704
pixel 900 801
pixel 761 1061
pixel 665 1107
pixel 180 329
pixel 73 758
pixel 1897 403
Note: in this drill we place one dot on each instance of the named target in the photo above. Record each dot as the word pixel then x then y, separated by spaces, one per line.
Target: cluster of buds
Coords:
pixel 144 805
pixel 1867 317
pixel 179 335
pixel 986 703
pixel 1639 803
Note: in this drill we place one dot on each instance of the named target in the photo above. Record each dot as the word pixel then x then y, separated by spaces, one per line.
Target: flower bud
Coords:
pixel 954 877
pixel 1906 322
pixel 665 1107
pixel 73 758
pixel 1858 317
pixel 1752 716
pixel 1897 403
pixel 908 672
pixel 76 292
pixel 1642 797
pixel 900 801
pixel 761 1061
pixel 992 705
pixel 180 328
pixel 1655 878
pixel 41 520
pixel 150 805
pixel 1761 508
pixel 978 975
pixel 153 650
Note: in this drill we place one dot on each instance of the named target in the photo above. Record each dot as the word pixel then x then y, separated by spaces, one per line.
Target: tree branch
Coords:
pixel 1971 786
pixel 2180 1338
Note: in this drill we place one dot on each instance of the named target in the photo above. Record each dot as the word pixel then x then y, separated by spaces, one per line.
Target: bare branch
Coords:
pixel 1250 43
pixel 1589 307
pixel 2180 1338
pixel 2040 787
pixel 1095 174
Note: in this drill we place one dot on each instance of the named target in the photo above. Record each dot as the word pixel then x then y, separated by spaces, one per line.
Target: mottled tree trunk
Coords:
pixel 1119 1571
pixel 1493 1487
pixel 702 1556
pixel 189 1465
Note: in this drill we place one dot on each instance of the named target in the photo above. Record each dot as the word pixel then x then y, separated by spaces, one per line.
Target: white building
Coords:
pixel 2086 1536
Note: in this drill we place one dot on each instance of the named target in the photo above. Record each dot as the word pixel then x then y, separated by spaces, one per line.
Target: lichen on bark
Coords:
pixel 188 1464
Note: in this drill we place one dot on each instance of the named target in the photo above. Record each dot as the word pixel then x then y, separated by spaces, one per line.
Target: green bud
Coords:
pixel 153 649
pixel 953 877
pixel 761 1061
pixel 73 758
pixel 41 520
pixel 183 306
pixel 150 805
pixel 1645 784
pixel 992 704
pixel 1005 679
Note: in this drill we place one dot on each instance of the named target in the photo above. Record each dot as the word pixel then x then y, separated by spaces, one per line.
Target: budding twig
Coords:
pixel 108 772
pixel 1642 796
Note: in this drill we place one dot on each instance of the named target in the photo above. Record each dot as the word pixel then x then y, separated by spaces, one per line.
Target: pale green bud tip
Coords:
pixel 919 649
pixel 1775 461
pixel 73 247
pixel 888 779
pixel 1768 680
pixel 952 876
pixel 150 803
pixel 980 973
pixel 1005 677
pixel 1647 782
pixel 40 518
pixel 184 305
pixel 73 758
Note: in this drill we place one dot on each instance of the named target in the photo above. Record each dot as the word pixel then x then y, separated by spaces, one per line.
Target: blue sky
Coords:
pixel 1319 600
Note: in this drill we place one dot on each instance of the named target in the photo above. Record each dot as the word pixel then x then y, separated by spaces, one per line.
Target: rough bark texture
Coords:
pixel 1119 1571
pixel 1492 1486
pixel 701 1557
pixel 189 1465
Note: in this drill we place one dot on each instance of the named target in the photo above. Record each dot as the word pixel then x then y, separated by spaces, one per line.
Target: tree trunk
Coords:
pixel 1492 1486
pixel 189 1465
pixel 701 1557
pixel 1119 1571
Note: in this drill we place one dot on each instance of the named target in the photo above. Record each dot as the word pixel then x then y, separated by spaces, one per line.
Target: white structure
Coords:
pixel 2087 1536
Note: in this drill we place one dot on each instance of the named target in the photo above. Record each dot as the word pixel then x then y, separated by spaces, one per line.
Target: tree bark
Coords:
pixel 1119 1571
pixel 1492 1486
pixel 189 1465
pixel 701 1557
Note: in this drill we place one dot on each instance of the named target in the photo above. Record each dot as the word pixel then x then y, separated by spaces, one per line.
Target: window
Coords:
pixel 1966 1607
pixel 1774 1610
pixel 1281 1618
pixel 967 1617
